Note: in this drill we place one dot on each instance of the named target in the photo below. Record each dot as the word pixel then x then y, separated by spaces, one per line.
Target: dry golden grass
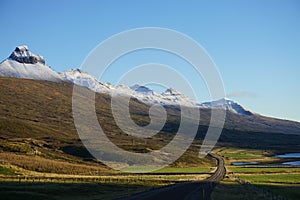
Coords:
pixel 40 164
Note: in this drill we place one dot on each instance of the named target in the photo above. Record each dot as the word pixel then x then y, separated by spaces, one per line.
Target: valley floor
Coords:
pixel 20 183
pixel 241 182
pixel 266 180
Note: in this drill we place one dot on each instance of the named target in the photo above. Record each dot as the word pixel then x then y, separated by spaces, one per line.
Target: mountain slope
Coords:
pixel 36 122
pixel 22 63
pixel 41 111
pixel 48 102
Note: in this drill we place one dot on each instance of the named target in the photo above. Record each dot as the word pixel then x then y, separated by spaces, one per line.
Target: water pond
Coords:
pixel 287 156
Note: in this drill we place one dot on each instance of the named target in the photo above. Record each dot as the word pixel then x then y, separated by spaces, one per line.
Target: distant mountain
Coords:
pixel 22 63
pixel 146 95
pixel 177 97
pixel 227 104
pixel 142 89
pixel 142 93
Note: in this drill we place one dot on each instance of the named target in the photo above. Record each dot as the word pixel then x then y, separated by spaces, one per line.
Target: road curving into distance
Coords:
pixel 197 190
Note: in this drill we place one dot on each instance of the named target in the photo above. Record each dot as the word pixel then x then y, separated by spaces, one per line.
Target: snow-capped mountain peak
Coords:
pixel 172 92
pixel 22 63
pixel 142 89
pixel 22 54
pixel 227 104
pixel 176 97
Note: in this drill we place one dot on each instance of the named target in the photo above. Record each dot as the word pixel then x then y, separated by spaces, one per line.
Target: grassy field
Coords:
pixel 238 154
pixel 291 192
pixel 187 170
pixel 61 191
pixel 259 183
pixel 7 171
pixel 291 178
pixel 166 176
pixel 176 170
pixel 232 190
pixel 66 186
pixel 256 181
pixel 263 170
pixel 41 185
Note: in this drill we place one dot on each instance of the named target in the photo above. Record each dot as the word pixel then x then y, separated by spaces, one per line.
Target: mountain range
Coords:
pixel 22 63
pixel 36 111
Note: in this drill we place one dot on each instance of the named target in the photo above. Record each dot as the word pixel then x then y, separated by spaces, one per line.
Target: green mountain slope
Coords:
pixel 36 121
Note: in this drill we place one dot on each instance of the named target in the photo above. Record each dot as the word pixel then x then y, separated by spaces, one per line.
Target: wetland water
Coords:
pixel 287 156
pixel 290 155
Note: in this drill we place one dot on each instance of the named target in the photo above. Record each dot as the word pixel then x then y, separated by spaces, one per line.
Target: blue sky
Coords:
pixel 255 44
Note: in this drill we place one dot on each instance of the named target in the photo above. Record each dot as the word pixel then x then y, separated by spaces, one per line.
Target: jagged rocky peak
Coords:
pixel 172 92
pixel 141 89
pixel 22 54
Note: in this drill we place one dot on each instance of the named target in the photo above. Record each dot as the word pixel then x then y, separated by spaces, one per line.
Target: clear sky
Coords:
pixel 255 44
